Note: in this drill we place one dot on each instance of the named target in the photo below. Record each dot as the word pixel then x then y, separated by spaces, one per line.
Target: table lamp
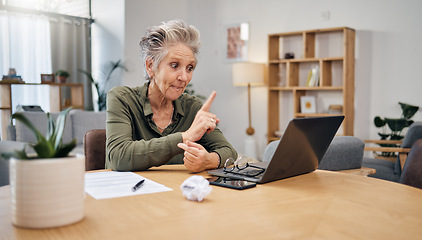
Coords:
pixel 248 74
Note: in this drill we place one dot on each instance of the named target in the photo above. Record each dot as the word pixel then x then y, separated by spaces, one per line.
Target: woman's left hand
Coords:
pixel 197 158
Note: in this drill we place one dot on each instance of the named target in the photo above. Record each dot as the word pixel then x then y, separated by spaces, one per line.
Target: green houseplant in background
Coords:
pixel 395 125
pixel 101 86
pixel 189 90
pixel 62 75
pixel 43 183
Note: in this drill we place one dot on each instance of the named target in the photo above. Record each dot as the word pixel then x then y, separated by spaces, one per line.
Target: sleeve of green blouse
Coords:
pixel 216 142
pixel 125 154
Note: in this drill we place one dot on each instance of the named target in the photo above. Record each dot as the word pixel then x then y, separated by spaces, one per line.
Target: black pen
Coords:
pixel 138 185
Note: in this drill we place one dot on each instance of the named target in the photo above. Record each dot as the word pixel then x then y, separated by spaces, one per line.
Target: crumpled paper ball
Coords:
pixel 196 188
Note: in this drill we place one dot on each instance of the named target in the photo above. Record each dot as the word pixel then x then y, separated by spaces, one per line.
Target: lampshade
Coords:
pixel 245 73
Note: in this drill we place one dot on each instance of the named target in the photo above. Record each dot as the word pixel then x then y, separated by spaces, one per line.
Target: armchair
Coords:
pixel 94 149
pixel 391 170
pixel 412 170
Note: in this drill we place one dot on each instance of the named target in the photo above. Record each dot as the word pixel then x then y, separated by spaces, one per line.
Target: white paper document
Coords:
pixel 102 185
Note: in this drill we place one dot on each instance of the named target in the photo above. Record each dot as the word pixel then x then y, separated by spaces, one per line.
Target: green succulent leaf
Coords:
pixel 50 126
pixel 20 117
pixel 65 149
pixel 16 154
pixel 46 147
pixel 58 131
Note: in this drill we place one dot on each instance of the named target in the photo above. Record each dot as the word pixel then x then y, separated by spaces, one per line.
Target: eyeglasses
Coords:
pixel 242 167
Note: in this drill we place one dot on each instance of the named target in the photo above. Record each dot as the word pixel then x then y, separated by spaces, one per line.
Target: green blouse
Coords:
pixel 134 141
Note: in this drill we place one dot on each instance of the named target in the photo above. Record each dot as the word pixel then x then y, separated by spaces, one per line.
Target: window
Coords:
pixel 78 8
pixel 40 37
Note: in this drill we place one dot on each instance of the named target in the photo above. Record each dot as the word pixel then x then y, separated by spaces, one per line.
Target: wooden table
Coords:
pixel 319 205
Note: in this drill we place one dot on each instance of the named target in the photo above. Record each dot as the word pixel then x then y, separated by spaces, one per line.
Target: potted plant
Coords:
pixel 189 90
pixel 395 125
pixel 47 188
pixel 101 86
pixel 62 75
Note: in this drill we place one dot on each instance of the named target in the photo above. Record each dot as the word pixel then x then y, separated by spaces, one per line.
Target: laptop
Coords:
pixel 299 151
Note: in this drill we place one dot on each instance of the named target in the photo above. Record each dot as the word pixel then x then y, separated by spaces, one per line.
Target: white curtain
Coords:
pixel 4 43
pixel 25 45
pixel 35 44
pixel 70 42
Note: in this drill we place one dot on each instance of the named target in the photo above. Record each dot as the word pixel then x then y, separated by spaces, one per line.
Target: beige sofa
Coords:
pixel 78 122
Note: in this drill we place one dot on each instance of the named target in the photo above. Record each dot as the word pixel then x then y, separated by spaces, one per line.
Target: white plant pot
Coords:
pixel 47 193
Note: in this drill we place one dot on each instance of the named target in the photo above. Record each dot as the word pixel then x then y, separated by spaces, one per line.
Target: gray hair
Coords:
pixel 158 38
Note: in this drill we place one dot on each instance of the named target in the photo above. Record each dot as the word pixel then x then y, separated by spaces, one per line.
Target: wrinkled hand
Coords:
pixel 204 122
pixel 197 158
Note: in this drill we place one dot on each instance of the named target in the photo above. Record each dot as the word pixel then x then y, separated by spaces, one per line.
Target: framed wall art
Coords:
pixel 307 104
pixel 47 78
pixel 237 37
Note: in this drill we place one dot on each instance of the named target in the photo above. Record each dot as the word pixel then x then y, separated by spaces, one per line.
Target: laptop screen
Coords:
pixel 299 151
pixel 302 146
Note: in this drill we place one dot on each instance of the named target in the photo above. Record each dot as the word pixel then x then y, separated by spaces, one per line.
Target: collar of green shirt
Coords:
pixel 147 105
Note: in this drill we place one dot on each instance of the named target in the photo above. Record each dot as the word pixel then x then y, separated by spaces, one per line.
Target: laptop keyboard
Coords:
pixel 250 172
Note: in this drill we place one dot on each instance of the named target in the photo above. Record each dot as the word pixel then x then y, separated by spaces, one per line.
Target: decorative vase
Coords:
pixel 47 193
pixel 61 79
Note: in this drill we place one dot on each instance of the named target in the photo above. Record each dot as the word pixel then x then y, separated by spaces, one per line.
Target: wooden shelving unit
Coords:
pixel 333 50
pixel 56 105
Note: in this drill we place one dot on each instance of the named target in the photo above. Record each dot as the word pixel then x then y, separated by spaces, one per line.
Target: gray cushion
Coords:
pixel 86 120
pixel 388 170
pixel 413 133
pixel 7 146
pixel 412 170
pixel 39 120
pixel 11 133
pixel 344 152
pixel 384 169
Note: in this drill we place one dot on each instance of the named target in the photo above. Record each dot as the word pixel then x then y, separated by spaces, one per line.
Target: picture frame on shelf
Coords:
pixel 307 104
pixel 47 78
pixel 236 42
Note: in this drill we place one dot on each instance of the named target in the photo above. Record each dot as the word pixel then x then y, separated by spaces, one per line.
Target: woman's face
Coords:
pixel 174 72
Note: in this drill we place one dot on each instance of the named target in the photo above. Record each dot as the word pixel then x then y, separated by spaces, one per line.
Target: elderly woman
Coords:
pixel 158 123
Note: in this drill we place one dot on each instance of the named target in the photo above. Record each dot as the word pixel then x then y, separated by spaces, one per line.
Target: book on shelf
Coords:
pixel 308 80
pixel 335 109
pixel 11 79
pixel 316 83
pixel 313 77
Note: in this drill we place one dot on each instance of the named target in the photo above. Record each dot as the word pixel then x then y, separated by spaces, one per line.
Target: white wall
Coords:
pixel 388 51
pixel 107 38
pixel 139 15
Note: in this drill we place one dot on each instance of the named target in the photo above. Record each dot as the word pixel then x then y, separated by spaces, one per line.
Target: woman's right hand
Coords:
pixel 204 122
